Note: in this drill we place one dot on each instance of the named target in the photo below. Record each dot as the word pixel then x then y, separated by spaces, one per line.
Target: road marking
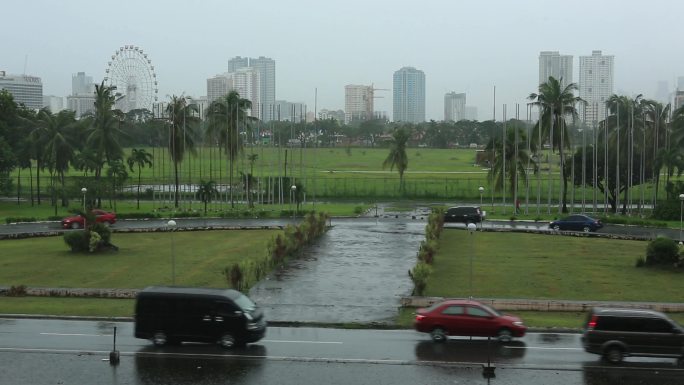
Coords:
pixel 539 348
pixel 76 335
pixel 305 342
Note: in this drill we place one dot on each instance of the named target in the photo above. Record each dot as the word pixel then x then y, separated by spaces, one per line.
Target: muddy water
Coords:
pixel 357 272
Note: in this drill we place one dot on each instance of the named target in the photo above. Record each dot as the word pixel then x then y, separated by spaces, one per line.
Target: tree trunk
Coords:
pixel 175 170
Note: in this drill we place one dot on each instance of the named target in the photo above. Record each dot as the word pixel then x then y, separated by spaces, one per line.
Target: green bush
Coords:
pixel 78 241
pixel 667 210
pixel 104 232
pixel 9 220
pixel 662 251
pixel 358 210
pixel 134 215
pixel 419 275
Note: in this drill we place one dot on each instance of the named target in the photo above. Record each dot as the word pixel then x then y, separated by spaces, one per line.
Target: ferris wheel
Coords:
pixel 132 73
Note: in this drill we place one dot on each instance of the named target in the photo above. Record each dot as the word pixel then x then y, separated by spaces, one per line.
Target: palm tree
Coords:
pixel 657 117
pixel 514 156
pixel 104 133
pixel 205 192
pixel 397 156
pixel 56 132
pixel 252 158
pixel 139 158
pixel 182 133
pixel 223 117
pixel 556 103
pixel 117 174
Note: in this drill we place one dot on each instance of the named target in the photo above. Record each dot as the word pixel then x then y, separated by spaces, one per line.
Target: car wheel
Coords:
pixel 614 355
pixel 556 227
pixel 586 229
pixel 438 335
pixel 75 225
pixel 159 339
pixel 504 335
pixel 227 341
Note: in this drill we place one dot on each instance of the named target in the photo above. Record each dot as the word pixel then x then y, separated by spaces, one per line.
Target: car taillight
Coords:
pixel 419 317
pixel 592 323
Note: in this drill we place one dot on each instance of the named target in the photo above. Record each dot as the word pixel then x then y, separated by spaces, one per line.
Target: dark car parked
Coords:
pixel 576 223
pixel 467 318
pixel 616 333
pixel 463 214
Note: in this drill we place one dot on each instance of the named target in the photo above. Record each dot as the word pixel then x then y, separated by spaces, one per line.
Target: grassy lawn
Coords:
pixel 143 259
pixel 514 265
pixel 83 307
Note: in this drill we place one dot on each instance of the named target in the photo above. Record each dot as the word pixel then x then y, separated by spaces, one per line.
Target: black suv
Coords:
pixel 463 214
pixel 616 333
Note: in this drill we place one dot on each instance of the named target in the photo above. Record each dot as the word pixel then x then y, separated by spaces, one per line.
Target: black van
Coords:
pixel 463 214
pixel 616 333
pixel 176 314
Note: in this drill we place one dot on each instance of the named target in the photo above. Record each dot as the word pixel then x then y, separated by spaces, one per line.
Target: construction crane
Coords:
pixel 370 100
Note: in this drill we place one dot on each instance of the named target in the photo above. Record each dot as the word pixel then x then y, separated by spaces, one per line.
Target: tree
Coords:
pixel 514 156
pixel 181 137
pixel 397 155
pixel 139 158
pixel 117 174
pixel 223 117
pixel 556 103
pixel 56 133
pixel 206 191
pixel 104 133
pixel 252 158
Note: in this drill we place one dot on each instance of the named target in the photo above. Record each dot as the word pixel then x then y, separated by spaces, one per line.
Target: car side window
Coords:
pixel 655 325
pixel 453 310
pixel 478 312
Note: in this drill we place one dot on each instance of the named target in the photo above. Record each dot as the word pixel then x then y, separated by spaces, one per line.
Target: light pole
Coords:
pixel 481 190
pixel 172 226
pixel 681 209
pixel 294 197
pixel 84 191
pixel 471 230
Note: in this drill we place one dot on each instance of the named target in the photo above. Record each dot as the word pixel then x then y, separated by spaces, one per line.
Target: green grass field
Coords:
pixel 143 259
pixel 514 265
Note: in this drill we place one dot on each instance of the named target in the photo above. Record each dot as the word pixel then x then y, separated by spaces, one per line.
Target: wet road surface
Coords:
pixel 76 352
pixel 357 272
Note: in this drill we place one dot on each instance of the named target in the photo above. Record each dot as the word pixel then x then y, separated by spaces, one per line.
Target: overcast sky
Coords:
pixel 463 46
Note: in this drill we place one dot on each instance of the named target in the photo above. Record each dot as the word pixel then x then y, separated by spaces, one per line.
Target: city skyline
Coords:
pixel 465 48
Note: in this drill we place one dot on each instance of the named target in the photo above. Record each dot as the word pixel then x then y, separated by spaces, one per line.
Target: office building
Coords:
pixel 595 85
pixel 26 90
pixel 338 115
pixel 358 102
pixel 454 107
pixel 53 103
pixel 82 98
pixel 552 63
pixel 82 84
pixel 290 111
pixel 267 78
pixel 409 95
pixel 246 81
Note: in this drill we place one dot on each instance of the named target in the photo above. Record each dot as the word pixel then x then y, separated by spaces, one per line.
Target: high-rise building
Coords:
pixel 246 81
pixel 409 95
pixel 82 98
pixel 358 102
pixel 53 103
pixel 290 111
pixel 325 114
pixel 471 113
pixel 595 85
pixel 552 63
pixel 26 90
pixel 267 77
pixel 454 107
pixel 82 84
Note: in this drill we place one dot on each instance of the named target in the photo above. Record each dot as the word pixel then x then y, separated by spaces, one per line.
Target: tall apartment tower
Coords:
pixel 246 81
pixel 409 95
pixel 267 77
pixel 595 85
pixel 358 102
pixel 454 107
pixel 552 63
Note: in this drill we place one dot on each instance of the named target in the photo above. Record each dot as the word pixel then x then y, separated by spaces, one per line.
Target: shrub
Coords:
pixel 9 220
pixel 419 275
pixel 16 291
pixel 134 215
pixel 103 231
pixel 662 251
pixel 640 262
pixel 358 210
pixel 77 240
pixel 667 211
pixel 94 241
pixel 234 276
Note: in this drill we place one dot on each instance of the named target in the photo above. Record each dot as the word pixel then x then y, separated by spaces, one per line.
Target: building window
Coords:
pixel 590 72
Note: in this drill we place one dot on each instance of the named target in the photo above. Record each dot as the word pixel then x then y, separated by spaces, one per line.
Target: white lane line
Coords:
pixel 305 342
pixel 540 348
pixel 76 335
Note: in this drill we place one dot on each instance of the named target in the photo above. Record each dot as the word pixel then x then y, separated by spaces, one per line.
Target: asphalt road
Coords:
pixel 76 352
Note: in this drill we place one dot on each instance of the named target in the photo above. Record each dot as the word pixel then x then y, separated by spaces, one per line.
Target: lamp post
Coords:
pixel 294 197
pixel 84 191
pixel 172 225
pixel 471 230
pixel 481 190
pixel 681 210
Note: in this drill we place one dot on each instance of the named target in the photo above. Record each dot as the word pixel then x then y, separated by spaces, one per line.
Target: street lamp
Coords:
pixel 471 229
pixel 481 190
pixel 172 225
pixel 294 197
pixel 681 209
pixel 84 191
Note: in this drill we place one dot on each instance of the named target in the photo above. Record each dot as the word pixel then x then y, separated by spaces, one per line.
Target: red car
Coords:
pixel 467 318
pixel 77 221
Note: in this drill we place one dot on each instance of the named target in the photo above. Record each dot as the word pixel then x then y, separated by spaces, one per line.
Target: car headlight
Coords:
pixel 518 323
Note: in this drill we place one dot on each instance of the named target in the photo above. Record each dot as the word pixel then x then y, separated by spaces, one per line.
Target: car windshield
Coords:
pixel 491 310
pixel 244 303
